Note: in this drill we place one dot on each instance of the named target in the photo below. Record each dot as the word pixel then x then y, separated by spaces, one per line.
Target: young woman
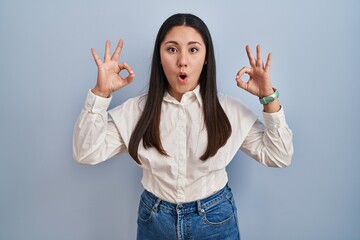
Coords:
pixel 182 133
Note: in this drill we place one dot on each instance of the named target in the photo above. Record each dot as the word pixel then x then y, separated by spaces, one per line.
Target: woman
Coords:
pixel 182 133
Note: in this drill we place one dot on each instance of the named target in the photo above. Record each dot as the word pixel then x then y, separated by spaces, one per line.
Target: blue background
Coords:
pixel 46 69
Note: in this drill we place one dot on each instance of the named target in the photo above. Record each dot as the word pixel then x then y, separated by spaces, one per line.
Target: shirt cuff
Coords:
pixel 96 104
pixel 275 120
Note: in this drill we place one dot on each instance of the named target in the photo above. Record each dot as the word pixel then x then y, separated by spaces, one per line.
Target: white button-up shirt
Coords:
pixel 100 134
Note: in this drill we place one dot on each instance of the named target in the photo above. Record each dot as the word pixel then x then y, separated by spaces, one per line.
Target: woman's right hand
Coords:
pixel 109 79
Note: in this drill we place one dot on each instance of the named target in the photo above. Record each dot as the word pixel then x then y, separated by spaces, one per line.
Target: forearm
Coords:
pixel 95 137
pixel 86 138
pixel 271 145
pixel 272 107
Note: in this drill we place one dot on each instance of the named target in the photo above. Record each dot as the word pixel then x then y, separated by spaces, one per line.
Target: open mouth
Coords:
pixel 183 76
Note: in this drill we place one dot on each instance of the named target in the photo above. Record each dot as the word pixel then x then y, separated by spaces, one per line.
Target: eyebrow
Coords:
pixel 189 43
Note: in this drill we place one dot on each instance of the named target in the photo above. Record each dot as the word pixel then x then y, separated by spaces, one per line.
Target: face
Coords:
pixel 182 54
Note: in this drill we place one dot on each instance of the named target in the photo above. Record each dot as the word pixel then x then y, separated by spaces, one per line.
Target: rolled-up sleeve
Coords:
pixel 95 136
pixel 270 144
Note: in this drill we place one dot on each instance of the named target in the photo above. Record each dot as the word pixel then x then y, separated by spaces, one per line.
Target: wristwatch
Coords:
pixel 270 98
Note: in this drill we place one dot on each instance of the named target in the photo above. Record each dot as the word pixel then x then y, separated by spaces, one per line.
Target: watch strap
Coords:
pixel 270 98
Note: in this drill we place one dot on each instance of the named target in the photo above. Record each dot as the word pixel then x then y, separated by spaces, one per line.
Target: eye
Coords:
pixel 193 50
pixel 172 50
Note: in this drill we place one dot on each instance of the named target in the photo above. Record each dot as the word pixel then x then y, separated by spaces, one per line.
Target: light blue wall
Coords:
pixel 46 69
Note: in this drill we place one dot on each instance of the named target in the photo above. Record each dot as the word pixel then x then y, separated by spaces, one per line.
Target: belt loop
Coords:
pixel 156 205
pixel 199 208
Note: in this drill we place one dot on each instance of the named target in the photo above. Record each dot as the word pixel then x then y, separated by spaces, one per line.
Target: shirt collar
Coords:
pixel 186 97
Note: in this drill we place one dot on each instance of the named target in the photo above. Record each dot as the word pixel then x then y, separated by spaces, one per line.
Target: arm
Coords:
pixel 95 136
pixel 271 144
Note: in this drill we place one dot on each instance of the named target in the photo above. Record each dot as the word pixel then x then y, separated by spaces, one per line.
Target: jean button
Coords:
pixel 178 208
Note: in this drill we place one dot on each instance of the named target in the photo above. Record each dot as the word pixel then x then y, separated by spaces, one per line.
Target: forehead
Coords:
pixel 183 35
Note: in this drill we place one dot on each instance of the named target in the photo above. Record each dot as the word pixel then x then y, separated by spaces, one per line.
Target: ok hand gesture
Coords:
pixel 259 82
pixel 108 78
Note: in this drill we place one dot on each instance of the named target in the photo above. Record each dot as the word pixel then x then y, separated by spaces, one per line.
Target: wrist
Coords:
pixel 103 94
pixel 269 98
pixel 266 92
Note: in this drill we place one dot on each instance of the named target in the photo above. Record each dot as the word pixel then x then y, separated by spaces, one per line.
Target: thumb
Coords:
pixel 239 74
pixel 241 83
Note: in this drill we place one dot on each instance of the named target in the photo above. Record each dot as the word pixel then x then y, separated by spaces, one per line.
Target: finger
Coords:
pixel 241 83
pixel 250 56
pixel 116 55
pixel 96 57
pixel 107 51
pixel 242 71
pixel 238 79
pixel 268 63
pixel 130 78
pixel 258 56
pixel 125 66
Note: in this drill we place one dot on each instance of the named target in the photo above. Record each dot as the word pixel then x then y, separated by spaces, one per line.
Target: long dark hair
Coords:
pixel 217 123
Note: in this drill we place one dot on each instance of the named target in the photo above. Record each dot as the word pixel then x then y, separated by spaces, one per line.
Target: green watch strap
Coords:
pixel 270 98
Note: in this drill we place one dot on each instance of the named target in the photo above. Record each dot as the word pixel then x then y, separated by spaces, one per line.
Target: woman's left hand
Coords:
pixel 259 83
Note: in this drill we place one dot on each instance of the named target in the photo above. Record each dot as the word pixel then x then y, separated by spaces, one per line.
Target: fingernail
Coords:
pixel 131 72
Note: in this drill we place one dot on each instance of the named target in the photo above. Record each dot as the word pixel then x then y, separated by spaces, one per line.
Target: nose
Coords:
pixel 183 60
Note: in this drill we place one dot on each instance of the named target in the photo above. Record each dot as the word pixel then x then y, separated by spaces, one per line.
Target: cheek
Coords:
pixel 165 62
pixel 199 63
pixel 165 68
pixel 199 67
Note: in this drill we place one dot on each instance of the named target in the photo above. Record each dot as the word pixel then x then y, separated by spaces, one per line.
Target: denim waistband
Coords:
pixel 155 203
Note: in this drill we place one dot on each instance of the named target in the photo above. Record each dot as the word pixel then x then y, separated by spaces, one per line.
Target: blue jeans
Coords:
pixel 212 218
